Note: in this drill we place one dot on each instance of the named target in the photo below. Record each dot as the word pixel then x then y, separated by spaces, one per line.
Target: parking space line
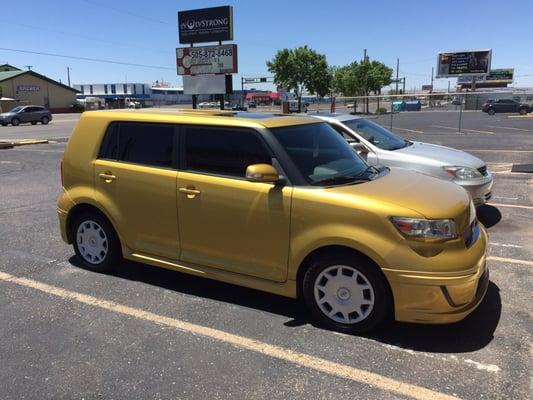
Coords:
pixel 509 127
pixel 510 205
pixel 443 127
pixel 318 364
pixel 41 151
pixel 476 131
pixel 407 130
pixel 499 151
pixel 510 260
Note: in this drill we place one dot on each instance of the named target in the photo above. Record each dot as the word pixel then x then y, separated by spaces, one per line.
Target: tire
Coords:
pixel 15 122
pixel 95 242
pixel 361 296
pixel 4 124
pixel 34 123
pixel 45 120
pixel 523 111
pixel 491 111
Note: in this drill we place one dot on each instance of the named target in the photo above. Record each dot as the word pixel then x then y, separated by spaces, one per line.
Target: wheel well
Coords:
pixel 344 250
pixel 79 209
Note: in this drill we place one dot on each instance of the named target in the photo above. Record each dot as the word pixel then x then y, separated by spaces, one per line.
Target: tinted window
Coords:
pixel 319 152
pixel 223 151
pixel 148 144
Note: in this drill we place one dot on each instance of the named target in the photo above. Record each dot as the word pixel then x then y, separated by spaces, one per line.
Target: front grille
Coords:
pixel 483 170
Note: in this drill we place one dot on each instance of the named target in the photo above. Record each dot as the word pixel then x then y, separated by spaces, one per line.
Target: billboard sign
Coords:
pixel 205 84
pixel 206 25
pixel 461 63
pixel 501 75
pixel 207 60
pixel 427 87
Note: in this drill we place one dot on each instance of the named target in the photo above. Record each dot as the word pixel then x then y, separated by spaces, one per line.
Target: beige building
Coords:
pixel 29 87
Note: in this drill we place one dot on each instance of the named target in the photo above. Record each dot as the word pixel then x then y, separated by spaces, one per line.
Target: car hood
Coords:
pixel 431 197
pixel 445 155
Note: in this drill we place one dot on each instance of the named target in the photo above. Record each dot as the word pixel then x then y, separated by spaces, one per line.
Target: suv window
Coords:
pixel 140 143
pixel 223 151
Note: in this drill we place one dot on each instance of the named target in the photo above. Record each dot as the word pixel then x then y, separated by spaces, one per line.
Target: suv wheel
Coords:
pixel 15 122
pixel 33 123
pixel 346 293
pixel 491 111
pixel 523 111
pixel 95 242
pixel 45 120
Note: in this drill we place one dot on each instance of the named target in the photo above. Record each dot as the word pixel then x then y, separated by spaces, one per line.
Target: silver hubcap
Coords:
pixel 344 294
pixel 92 242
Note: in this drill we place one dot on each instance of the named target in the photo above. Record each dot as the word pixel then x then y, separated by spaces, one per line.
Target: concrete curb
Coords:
pixel 22 142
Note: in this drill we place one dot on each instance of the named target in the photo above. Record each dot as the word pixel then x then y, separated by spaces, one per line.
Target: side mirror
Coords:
pixel 360 149
pixel 262 173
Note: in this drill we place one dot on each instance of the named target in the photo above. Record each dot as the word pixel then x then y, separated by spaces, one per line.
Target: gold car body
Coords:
pixel 259 235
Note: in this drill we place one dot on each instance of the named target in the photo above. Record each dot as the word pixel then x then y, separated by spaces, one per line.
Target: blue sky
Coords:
pixel 144 32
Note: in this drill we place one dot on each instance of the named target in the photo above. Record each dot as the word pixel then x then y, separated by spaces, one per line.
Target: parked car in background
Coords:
pixel 382 147
pixel 276 203
pixel 456 101
pixel 492 107
pixel 26 114
pixel 239 107
pixel 251 104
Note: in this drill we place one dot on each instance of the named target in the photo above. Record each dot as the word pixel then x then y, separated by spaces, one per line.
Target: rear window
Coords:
pixel 146 144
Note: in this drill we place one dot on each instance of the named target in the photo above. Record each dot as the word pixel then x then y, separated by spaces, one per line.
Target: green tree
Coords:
pixel 301 69
pixel 361 78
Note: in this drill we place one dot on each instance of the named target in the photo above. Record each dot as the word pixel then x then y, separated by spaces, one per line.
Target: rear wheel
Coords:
pixel 15 122
pixel 95 242
pixel 34 123
pixel 346 293
pixel 45 120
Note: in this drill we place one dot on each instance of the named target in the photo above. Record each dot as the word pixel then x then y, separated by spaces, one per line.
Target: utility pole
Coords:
pixel 29 67
pixel 364 56
pixel 68 76
pixel 397 73
pixel 432 79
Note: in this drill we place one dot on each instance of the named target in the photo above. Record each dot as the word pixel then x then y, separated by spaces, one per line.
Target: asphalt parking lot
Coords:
pixel 144 332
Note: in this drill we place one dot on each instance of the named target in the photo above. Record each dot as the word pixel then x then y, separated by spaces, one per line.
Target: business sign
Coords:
pixel 206 25
pixel 207 60
pixel 28 88
pixel 206 84
pixel 501 75
pixel 460 63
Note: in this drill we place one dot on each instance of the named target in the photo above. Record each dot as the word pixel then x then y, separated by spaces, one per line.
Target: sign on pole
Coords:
pixel 500 75
pixel 213 24
pixel 207 60
pixel 205 84
pixel 461 63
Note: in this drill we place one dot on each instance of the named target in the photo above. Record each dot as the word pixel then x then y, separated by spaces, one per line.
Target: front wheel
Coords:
pixel 523 111
pixel 491 111
pixel 346 293
pixel 95 242
pixel 15 122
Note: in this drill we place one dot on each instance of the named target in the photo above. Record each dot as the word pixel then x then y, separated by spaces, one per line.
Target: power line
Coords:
pixel 88 59
pixel 123 11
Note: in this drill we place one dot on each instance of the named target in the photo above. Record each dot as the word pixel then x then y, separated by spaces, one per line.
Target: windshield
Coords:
pixel 16 109
pixel 376 134
pixel 321 154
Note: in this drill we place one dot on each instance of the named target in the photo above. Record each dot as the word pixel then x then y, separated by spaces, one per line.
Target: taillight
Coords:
pixel 61 172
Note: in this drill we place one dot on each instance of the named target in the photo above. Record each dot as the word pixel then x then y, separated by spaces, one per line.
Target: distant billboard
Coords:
pixel 427 87
pixel 500 75
pixel 206 25
pixel 207 60
pixel 461 63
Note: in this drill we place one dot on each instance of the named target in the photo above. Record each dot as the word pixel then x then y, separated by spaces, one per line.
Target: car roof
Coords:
pixel 335 116
pixel 209 117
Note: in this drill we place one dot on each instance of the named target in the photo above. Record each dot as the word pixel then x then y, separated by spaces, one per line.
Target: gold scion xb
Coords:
pixel 275 203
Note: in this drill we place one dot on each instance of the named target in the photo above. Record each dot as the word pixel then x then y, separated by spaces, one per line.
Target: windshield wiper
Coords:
pixel 338 180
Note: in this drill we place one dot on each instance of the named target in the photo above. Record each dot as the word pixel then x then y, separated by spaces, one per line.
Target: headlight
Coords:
pixel 425 228
pixel 464 173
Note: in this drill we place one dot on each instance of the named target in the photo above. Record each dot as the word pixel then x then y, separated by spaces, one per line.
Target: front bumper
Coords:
pixel 443 297
pixel 480 190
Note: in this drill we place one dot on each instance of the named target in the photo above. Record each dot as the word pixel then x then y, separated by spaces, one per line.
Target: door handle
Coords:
pixel 108 177
pixel 189 191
